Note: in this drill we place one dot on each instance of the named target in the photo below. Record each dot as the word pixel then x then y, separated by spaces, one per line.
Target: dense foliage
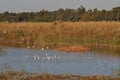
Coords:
pixel 80 14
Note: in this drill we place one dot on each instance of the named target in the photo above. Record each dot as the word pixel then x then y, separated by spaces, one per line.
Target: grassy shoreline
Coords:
pixel 45 76
pixel 55 34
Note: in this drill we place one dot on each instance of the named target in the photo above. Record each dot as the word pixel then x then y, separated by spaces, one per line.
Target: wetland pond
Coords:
pixel 93 62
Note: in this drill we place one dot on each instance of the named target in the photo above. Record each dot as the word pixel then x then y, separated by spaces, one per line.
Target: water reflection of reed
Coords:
pixel 3 51
pixel 106 52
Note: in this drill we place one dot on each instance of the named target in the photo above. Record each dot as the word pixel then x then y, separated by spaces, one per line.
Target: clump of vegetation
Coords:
pixel 55 34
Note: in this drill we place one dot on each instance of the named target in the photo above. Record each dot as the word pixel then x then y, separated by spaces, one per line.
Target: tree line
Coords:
pixel 68 14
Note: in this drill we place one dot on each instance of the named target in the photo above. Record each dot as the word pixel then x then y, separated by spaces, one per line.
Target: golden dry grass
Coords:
pixel 63 33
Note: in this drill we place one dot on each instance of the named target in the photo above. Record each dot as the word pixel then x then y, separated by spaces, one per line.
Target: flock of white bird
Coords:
pixel 37 47
pixel 46 57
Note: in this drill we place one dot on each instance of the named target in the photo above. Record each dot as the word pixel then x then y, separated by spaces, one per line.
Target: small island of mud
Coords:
pixel 72 48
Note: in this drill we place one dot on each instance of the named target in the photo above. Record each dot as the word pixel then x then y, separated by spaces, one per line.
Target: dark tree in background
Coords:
pixel 80 14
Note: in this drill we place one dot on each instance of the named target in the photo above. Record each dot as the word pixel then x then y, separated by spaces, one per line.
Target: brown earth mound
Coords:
pixel 73 48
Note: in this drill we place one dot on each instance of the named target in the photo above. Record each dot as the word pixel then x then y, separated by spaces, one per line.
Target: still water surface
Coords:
pixel 93 62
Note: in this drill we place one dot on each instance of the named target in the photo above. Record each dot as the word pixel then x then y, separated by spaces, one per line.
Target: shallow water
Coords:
pixel 93 62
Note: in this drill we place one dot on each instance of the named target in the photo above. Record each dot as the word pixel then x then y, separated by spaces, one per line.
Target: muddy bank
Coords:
pixel 72 48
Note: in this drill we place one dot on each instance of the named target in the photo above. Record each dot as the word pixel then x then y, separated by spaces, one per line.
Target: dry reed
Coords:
pixel 105 34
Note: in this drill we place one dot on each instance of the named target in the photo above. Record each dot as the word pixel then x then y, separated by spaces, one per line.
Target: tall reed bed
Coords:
pixel 59 33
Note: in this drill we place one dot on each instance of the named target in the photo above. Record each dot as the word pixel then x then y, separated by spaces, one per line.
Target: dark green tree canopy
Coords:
pixel 79 14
